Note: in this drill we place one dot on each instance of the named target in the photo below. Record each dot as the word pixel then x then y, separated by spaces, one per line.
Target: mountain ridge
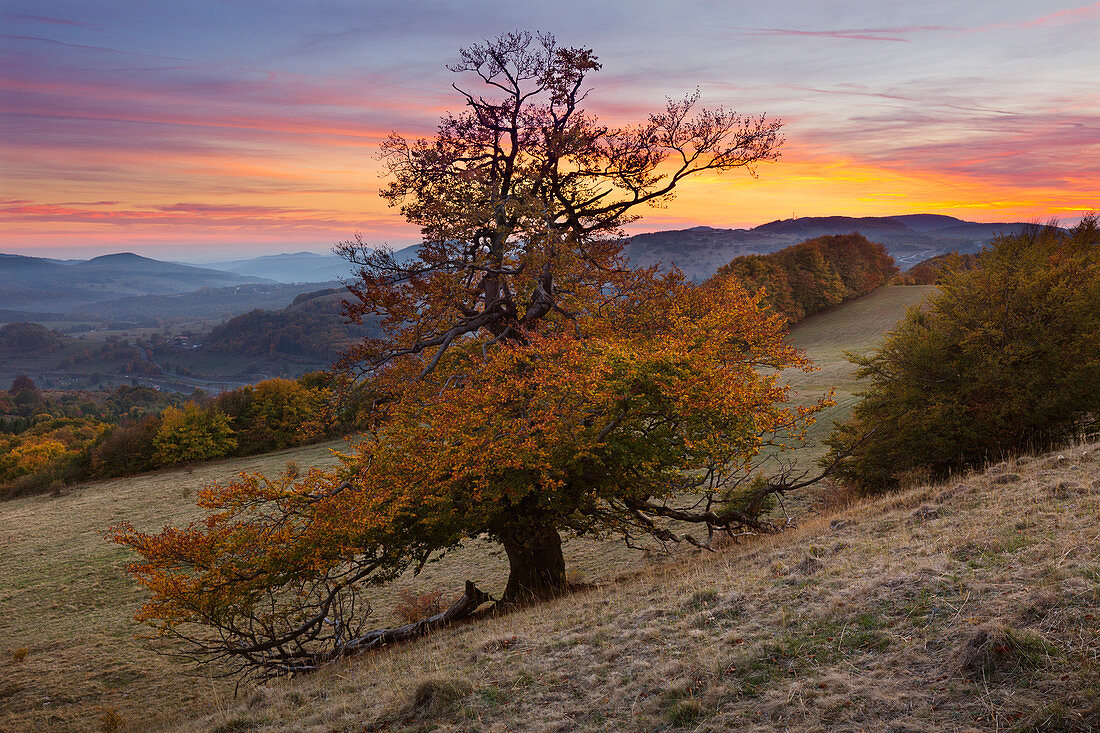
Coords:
pixel 38 284
pixel 909 238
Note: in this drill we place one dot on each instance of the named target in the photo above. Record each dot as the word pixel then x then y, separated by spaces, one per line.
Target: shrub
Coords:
pixel 1005 358
pixel 415 606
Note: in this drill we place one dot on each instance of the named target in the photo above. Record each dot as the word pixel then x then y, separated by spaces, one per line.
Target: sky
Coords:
pixel 196 130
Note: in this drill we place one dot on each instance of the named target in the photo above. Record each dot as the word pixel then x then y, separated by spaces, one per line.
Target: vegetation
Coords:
pixel 192 434
pixel 815 275
pixel 890 587
pixel 50 439
pixel 605 657
pixel 528 383
pixel 29 337
pixel 1006 357
pixel 310 326
pixel 933 270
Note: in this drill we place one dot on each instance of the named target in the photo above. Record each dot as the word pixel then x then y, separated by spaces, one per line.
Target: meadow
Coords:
pixel 69 653
pixel 965 606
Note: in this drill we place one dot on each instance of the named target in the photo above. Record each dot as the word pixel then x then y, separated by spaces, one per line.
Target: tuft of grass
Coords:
pixel 110 721
pixel 237 725
pixel 684 712
pixel 18 655
pixel 435 698
pixel 996 650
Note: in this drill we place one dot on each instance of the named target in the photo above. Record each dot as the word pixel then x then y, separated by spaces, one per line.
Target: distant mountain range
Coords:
pixel 909 239
pixel 128 285
pixel 297 267
pixel 37 284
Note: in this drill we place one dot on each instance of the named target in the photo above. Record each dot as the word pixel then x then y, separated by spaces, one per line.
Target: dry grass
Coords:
pixel 67 606
pixel 68 643
pixel 967 606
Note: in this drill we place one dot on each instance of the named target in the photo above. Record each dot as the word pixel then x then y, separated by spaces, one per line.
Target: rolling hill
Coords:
pixel 298 267
pixel 909 239
pixel 40 285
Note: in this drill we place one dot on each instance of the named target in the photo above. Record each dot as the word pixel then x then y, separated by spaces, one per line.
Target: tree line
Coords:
pixel 813 276
pixel 48 440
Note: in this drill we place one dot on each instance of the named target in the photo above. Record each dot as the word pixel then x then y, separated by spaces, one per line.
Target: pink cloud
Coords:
pixel 899 33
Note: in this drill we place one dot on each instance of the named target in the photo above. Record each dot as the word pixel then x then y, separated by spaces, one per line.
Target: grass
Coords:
pixel 67 604
pixel 856 327
pixel 887 630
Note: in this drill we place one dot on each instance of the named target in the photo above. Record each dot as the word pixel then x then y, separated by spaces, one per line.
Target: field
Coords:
pixel 969 606
pixel 67 606
pixel 855 327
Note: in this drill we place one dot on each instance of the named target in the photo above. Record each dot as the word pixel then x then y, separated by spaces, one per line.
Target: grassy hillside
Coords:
pixel 66 601
pixel 970 606
pixel 855 327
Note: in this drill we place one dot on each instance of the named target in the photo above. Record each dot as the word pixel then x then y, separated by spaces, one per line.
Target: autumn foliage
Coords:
pixel 815 275
pixel 526 384
pixel 1004 358
pixel 50 439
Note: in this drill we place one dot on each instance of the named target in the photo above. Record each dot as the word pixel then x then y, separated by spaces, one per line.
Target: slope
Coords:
pixel 963 607
pixel 65 598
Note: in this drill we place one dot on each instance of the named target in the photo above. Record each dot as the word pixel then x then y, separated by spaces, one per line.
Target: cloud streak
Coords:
pixel 900 34
pixel 194 123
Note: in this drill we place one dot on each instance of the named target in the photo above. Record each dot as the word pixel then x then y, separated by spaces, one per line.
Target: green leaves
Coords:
pixel 1005 358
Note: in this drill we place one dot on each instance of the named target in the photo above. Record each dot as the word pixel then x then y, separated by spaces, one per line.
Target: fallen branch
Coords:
pixel 463 608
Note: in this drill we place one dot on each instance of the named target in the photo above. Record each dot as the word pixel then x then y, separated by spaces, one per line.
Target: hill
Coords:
pixel 38 284
pixel 82 656
pixel 962 607
pixel 311 326
pixel 909 239
pixel 298 267
pixel 203 304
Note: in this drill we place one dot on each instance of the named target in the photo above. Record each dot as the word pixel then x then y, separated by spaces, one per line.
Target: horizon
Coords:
pixel 201 256
pixel 214 131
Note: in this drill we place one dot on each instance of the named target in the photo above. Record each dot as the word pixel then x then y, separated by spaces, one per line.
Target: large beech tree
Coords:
pixel 527 383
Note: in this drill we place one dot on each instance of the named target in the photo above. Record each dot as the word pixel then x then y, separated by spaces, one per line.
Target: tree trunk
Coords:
pixel 536 567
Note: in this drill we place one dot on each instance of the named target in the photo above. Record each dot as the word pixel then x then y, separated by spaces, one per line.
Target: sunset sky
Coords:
pixel 204 130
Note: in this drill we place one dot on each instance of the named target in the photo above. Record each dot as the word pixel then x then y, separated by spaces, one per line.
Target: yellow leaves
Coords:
pixel 192 434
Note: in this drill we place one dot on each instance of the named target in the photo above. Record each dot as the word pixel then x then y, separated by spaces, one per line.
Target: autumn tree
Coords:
pixel 814 275
pixel 526 382
pixel 1004 358
pixel 192 434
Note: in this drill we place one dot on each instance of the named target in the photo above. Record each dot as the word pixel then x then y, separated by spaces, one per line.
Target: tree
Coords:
pixel 526 382
pixel 814 275
pixel 192 434
pixel 1005 358
pixel 22 383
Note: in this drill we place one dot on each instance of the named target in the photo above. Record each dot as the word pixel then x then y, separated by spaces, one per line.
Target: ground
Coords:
pixel 966 606
pixel 66 601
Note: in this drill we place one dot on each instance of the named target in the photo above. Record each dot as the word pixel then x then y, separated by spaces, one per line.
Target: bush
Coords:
pixel 1005 358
